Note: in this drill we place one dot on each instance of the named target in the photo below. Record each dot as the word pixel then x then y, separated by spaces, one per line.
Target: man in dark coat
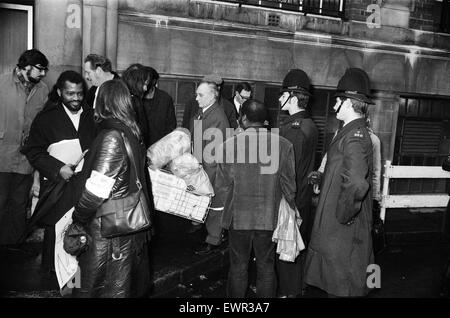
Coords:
pixel 299 129
pixel 159 110
pixel 341 248
pixel 210 116
pixel 191 107
pixel 65 120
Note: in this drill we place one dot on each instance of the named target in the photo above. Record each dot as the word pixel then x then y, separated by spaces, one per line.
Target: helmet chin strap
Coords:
pixel 339 108
pixel 287 99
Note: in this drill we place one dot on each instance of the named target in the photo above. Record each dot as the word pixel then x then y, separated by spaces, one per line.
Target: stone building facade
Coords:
pixel 400 43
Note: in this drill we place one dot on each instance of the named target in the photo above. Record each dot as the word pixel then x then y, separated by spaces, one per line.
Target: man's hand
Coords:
pixel 315 178
pixel 66 172
pixel 34 191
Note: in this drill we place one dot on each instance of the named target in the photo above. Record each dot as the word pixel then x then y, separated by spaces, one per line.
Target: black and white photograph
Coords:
pixel 243 152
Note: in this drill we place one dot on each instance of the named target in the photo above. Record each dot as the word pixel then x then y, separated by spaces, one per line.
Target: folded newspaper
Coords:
pixel 170 195
pixel 287 233
pixel 66 265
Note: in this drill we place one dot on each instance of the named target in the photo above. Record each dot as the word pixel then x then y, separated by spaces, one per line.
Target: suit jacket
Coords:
pixel 191 109
pixel 90 95
pixel 214 117
pixel 251 190
pixel 236 112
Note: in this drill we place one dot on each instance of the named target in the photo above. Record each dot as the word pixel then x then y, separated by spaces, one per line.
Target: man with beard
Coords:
pixel 65 126
pixel 22 96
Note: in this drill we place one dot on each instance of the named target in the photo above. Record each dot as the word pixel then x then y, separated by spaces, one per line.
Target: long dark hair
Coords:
pixel 114 101
pixel 135 77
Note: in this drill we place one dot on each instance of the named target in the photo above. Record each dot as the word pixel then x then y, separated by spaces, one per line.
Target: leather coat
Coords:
pixel 117 267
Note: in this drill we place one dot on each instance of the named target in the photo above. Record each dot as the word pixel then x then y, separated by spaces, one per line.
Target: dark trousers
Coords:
pixel 14 198
pixel 214 227
pixel 48 248
pixel 241 243
pixel 291 276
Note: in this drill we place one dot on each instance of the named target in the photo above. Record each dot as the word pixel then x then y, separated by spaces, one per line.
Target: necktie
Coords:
pixel 200 114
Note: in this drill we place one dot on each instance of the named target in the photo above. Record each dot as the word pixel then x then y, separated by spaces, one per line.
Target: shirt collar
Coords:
pixel 206 108
pixel 69 113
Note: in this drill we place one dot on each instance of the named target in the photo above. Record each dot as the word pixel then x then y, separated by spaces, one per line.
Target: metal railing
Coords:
pixel 333 8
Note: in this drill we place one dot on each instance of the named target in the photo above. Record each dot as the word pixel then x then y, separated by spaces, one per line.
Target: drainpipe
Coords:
pixel 100 19
pixel 112 17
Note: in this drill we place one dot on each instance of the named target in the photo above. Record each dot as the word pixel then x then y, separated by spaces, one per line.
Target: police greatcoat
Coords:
pixel 341 245
pixel 302 132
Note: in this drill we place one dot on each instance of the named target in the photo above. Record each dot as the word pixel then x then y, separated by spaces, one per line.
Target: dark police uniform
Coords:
pixel 301 131
pixel 341 245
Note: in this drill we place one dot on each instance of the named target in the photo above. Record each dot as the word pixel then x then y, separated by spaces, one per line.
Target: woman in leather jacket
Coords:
pixel 119 266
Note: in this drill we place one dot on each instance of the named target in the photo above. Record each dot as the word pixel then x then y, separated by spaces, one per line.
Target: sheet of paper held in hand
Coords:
pixel 66 265
pixel 67 151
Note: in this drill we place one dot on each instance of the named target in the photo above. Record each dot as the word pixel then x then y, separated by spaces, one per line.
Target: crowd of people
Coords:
pixel 69 146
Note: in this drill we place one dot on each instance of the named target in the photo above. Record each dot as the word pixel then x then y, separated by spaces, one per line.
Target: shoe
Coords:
pixel 194 228
pixel 206 249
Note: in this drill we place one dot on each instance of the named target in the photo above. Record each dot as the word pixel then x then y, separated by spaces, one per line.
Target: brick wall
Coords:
pixel 357 9
pixel 423 14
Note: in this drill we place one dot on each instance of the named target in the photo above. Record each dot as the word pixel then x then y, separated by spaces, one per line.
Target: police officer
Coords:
pixel 341 246
pixel 302 132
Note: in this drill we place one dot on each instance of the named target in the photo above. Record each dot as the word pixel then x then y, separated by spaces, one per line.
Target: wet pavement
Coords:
pixel 411 265
pixel 407 271
pixel 172 263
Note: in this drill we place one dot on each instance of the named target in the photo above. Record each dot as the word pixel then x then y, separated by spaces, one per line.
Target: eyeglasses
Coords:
pixel 244 97
pixel 41 68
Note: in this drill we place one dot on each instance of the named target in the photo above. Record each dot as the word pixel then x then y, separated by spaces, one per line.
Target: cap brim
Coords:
pixel 295 90
pixel 360 97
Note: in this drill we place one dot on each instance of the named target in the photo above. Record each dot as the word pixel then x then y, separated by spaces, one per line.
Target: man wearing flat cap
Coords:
pixel 191 107
pixel 341 249
pixel 299 129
